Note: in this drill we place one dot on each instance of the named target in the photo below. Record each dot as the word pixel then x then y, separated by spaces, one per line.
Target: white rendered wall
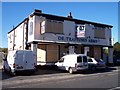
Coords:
pixel 31 37
pixel 16 38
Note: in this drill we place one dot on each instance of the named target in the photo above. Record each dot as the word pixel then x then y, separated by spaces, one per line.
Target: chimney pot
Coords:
pixel 38 11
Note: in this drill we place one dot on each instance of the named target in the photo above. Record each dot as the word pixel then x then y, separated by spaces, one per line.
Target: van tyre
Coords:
pixel 70 70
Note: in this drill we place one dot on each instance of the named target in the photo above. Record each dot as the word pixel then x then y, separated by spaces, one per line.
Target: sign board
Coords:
pixel 80 32
pixel 79 40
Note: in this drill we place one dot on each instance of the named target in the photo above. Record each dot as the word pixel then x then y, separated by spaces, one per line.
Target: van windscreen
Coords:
pixel 84 59
pixel 79 59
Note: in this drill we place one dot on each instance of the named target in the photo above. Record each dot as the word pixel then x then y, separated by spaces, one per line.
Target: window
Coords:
pixel 99 33
pixel 61 60
pixel 31 28
pixel 90 60
pixel 79 59
pixel 99 60
pixel 53 26
pixel 42 27
pixel 84 59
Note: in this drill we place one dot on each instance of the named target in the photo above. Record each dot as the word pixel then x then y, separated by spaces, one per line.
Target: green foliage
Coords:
pixel 105 51
pixel 116 52
pixel 5 50
pixel 117 47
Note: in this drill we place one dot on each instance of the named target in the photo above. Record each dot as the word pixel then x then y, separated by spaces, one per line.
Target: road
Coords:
pixel 58 79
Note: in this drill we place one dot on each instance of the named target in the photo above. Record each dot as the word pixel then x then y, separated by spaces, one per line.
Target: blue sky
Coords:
pixel 102 12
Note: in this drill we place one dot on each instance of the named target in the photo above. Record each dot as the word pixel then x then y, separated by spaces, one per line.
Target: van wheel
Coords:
pixel 70 70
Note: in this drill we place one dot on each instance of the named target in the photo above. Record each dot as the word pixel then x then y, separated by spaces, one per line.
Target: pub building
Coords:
pixel 50 37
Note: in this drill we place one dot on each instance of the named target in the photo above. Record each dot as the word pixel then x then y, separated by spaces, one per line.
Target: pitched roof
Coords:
pixel 77 21
pixel 61 18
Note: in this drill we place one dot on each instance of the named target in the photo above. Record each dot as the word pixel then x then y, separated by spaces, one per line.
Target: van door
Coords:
pixel 79 62
pixel 60 63
pixel 28 58
pixel 19 60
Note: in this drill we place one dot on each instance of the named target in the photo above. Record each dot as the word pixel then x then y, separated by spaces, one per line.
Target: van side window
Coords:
pixel 90 60
pixel 84 59
pixel 79 59
pixel 61 60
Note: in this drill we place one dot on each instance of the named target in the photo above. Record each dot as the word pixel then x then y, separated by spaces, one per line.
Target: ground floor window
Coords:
pixel 53 52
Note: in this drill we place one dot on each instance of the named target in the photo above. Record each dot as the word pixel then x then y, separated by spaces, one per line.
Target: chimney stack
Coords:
pixel 70 15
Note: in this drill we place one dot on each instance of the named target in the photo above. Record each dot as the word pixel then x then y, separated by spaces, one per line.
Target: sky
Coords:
pixel 102 12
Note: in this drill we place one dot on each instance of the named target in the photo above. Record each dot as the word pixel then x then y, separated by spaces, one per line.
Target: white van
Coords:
pixel 19 60
pixel 73 62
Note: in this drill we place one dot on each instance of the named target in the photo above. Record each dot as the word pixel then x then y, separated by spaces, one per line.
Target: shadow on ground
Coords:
pixel 108 69
pixel 41 70
pixel 47 70
pixel 5 75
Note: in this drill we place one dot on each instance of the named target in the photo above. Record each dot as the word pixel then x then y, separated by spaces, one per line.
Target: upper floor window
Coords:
pixel 42 27
pixel 53 26
pixel 31 28
pixel 99 33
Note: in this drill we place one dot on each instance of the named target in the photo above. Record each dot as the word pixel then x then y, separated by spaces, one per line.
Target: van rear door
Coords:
pixel 81 62
pixel 28 60
pixel 19 63
pixel 85 61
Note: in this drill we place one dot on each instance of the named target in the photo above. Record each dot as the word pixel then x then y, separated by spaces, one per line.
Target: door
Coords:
pixel 52 53
pixel 28 59
pixel 41 54
pixel 19 60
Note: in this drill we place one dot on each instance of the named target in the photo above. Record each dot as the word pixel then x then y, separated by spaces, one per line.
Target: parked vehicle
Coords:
pixel 19 60
pixel 116 62
pixel 73 62
pixel 96 63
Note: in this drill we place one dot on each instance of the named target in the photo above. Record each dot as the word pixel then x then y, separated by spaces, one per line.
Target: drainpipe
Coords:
pixel 13 39
pixel 26 34
pixel 23 36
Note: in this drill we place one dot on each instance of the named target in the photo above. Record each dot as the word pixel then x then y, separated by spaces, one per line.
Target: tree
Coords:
pixel 117 46
pixel 116 52
pixel 5 50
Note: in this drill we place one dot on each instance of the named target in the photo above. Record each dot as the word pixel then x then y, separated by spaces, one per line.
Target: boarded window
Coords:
pixel 99 33
pixel 60 27
pixel 52 53
pixel 54 26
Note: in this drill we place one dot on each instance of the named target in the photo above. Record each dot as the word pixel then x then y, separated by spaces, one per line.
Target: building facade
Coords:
pixel 50 37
